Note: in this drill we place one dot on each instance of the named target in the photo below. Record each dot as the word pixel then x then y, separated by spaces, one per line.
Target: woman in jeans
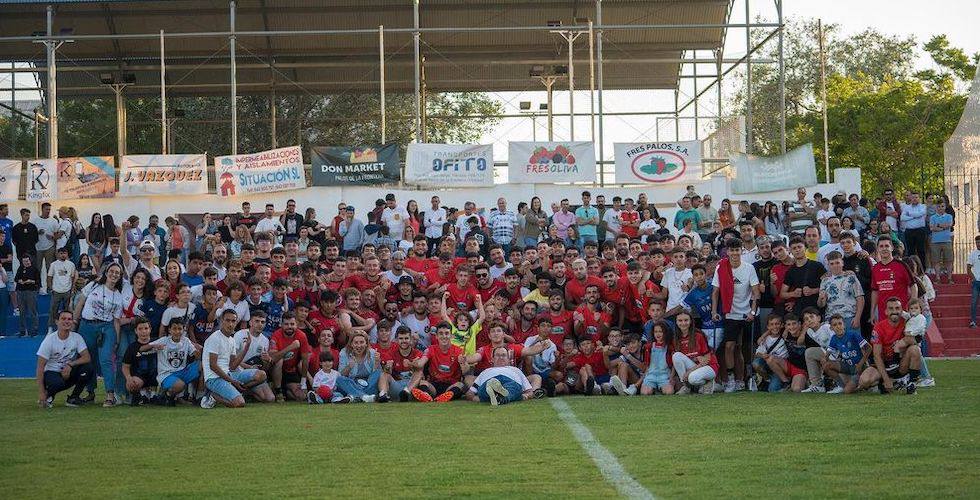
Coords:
pixel 100 328
pixel 28 282
pixel 360 368
pixel 534 220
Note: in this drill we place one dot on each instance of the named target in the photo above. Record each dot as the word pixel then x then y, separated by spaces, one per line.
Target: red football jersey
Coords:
pixel 444 366
pixel 890 280
pixel 575 289
pixel 461 299
pixel 595 360
pixel 594 321
pixel 361 282
pixel 398 369
pixel 885 334
pixel 420 265
pixel 280 341
pixel 561 326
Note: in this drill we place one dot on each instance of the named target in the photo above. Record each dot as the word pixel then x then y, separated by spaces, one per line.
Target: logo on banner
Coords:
pixel 551 161
pixel 366 155
pixel 40 177
pixel 659 165
pixel 226 182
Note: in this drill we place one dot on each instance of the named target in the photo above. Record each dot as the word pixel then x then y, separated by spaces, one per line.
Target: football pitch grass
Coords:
pixel 736 445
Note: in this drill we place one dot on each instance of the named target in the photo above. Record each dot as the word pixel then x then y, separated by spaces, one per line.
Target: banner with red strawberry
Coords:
pixel 658 162
pixel 550 162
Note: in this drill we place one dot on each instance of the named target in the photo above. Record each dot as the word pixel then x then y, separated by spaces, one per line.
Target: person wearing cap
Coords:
pixel 157 235
pixel 352 231
pixel 147 252
pixel 395 217
pixel 61 276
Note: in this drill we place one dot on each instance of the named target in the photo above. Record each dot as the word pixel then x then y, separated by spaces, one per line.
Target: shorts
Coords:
pixel 223 388
pixel 187 375
pixel 441 387
pixel 793 370
pixel 738 331
pixel 892 365
pixel 602 379
pixel 291 378
pixel 656 380
pixel 941 253
pixel 847 369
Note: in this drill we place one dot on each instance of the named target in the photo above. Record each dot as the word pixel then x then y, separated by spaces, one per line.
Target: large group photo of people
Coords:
pixel 416 301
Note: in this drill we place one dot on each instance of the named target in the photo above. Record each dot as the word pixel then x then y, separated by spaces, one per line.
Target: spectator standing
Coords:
pixel 858 214
pixel 155 233
pixel 563 218
pixel 48 234
pixel 351 230
pixel 914 215
pixel 61 276
pixel 501 224
pixel 291 222
pixel 587 220
pixel 27 282
pixel 941 242
pixel 434 221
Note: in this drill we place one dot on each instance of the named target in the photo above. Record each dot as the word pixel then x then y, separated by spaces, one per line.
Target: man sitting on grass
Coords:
pixel 846 355
pixel 225 381
pixel 139 367
pixel 447 364
pixel 501 383
pixel 895 354
pixel 62 363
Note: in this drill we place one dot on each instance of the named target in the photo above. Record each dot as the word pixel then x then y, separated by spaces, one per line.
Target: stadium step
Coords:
pixel 958 332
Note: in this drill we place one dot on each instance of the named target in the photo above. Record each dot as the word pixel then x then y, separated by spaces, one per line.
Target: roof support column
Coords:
pixel 52 46
pixel 163 98
pixel 602 156
pixel 748 79
pixel 418 73
pixel 234 79
pixel 381 80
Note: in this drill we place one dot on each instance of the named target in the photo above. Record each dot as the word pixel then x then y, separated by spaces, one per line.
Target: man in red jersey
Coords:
pixel 290 355
pixel 461 292
pixel 889 278
pixel 486 286
pixel 372 277
pixel 401 375
pixel 417 260
pixel 575 288
pixel 592 365
pixel 617 292
pixel 561 318
pixel 337 277
pixel 354 317
pixel 438 278
pixel 590 318
pixel 446 367
pixel 484 355
pixel 325 317
pixel 895 353
pixel 524 326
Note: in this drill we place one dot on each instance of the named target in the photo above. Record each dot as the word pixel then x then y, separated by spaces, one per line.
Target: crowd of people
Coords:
pixel 484 304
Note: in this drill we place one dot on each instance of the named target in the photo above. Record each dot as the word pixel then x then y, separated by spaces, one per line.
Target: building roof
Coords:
pixel 321 62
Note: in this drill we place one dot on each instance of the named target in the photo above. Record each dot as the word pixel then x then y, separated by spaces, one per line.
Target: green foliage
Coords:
pixel 883 117
pixel 88 125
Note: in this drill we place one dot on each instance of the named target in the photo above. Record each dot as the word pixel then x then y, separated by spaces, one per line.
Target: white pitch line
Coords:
pixel 608 465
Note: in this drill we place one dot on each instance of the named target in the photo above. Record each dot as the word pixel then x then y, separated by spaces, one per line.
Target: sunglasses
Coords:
pixel 482 275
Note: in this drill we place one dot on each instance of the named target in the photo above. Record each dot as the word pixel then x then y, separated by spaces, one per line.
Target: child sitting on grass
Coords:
pixel 325 382
pixel 657 375
pixel 846 357
pixel 771 358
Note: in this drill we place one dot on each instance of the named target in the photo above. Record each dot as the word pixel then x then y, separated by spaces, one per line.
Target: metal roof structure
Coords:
pixel 333 46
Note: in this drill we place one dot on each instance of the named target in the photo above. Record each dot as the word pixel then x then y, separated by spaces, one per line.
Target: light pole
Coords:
pixel 548 80
pixel 569 37
pixel 527 109
pixel 117 85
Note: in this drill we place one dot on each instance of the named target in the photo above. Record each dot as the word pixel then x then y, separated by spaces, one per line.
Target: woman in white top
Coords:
pixel 100 314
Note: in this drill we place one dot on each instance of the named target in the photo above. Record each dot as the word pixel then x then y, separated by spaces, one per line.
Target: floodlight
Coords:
pixel 525 105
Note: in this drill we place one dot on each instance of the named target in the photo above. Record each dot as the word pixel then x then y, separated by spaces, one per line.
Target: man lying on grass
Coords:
pixel 500 383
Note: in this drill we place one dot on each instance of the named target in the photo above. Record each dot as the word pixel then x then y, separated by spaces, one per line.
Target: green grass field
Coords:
pixel 743 445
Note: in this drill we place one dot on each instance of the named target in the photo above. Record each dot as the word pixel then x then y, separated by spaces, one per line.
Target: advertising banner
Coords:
pixel 82 177
pixel 10 179
pixel 757 174
pixel 550 162
pixel 658 162
pixel 42 180
pixel 355 166
pixel 265 172
pixel 147 175
pixel 449 165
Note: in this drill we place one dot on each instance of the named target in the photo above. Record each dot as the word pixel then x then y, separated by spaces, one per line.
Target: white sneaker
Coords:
pixel 685 389
pixel 618 384
pixel 207 402
pixel 753 385
pixel 729 386
pixel 836 390
pixel 926 382
pixel 814 389
pixel 368 398
pixel 631 390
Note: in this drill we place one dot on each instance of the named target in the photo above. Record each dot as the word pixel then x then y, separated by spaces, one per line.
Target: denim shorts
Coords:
pixel 187 375
pixel 223 388
pixel 655 380
pixel 397 386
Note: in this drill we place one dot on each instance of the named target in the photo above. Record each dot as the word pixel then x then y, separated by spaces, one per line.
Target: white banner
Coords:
pixel 42 180
pixel 143 175
pixel 758 174
pixel 658 162
pixel 10 180
pixel 549 162
pixel 449 165
pixel 274 170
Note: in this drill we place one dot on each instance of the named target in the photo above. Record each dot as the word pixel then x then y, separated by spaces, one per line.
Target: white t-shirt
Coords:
pixel 611 218
pixel 419 328
pixel 101 303
pixel 974 260
pixel 60 352
pixel 257 347
pixel 510 372
pixel 825 250
pixel 497 272
pixel 546 358
pixel 648 224
pixel 197 294
pixel 241 308
pixel 774 346
pixel 674 280
pixel 65 226
pixel 266 225
pixel 174 356
pixel 224 347
pixel 45 230
pixel 745 278
pixel 328 379
pixel 175 312
pixel 61 271
pixel 395 219
pixel 134 264
pixel 824 214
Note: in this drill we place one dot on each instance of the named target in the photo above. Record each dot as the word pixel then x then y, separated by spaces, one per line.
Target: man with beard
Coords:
pixel 889 278
pixel 575 289
pixel 219 258
pixel 352 318
pixel 524 325
pixel 417 262
pixel 750 252
pixel 895 353
pixel 418 322
pixel 398 271
pixel 289 355
pixel 834 231
pixel 623 248
pixel 498 265
pixel 516 354
pixel 591 320
pixel 400 374
pixel 486 284
pixel 609 258
pixel 439 278
pixel 802 282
